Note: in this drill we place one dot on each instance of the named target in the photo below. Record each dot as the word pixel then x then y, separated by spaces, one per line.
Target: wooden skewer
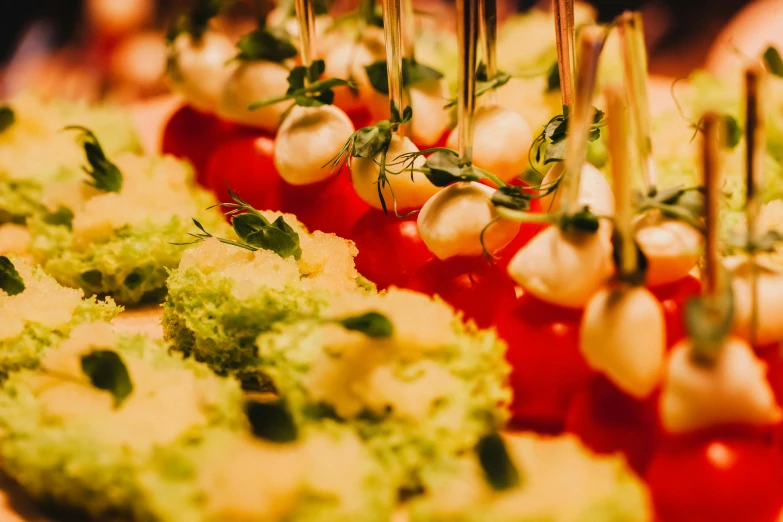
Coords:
pixel 489 35
pixel 711 171
pixel 467 32
pixel 408 29
pixel 393 35
pixel 591 44
pixel 564 33
pixel 754 141
pixel 305 16
pixel 631 31
pixel 619 153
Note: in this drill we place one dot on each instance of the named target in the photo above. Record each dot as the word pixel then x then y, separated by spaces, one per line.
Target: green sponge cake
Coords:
pixel 223 296
pixel 38 313
pixel 413 380
pixel 78 431
pixel 121 233
pixel 34 150
pixel 530 478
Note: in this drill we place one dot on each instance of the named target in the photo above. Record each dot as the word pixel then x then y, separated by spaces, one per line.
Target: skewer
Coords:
pixel 619 153
pixel 631 31
pixel 591 44
pixel 408 29
pixel 305 16
pixel 489 38
pixel 564 32
pixel 754 140
pixel 711 173
pixel 467 32
pixel 393 35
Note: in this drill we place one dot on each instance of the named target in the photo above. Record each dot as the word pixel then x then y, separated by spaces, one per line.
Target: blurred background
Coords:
pixel 114 49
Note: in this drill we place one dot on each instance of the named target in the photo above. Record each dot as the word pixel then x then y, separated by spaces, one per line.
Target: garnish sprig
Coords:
pixel 196 21
pixel 485 83
pixel 255 232
pixel 731 131
pixel 104 370
pixel 266 43
pixel 499 469
pixel 413 72
pixel 7 117
pixel 684 204
pixel 550 145
pixel 106 176
pixel 305 88
pixel 10 281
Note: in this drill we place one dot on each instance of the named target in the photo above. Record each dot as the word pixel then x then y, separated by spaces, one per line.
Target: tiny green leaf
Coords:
pixel 732 131
pixel 61 217
pixel 315 93
pixel 583 220
pixel 10 281
pixel 499 470
pixel 105 175
pixel 512 197
pixel 484 84
pixel 371 324
pixel 7 117
pixel 106 371
pixel 553 78
pixel 773 61
pixel 443 168
pixel 271 44
pixel 196 21
pixel 413 72
pixel 271 421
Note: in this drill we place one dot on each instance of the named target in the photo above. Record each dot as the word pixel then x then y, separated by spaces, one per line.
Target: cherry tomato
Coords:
pixel 772 355
pixel 547 366
pixel 390 248
pixel 523 237
pixel 480 289
pixel 360 118
pixel 193 135
pixel 673 298
pixel 608 420
pixel 717 477
pixel 330 206
pixel 246 165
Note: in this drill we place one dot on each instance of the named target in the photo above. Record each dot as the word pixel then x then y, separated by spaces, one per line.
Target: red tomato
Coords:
pixel 608 420
pixel 673 298
pixel 193 135
pixel 717 477
pixel 547 366
pixel 523 237
pixel 773 357
pixel 390 248
pixel 475 286
pixel 360 118
pixel 246 165
pixel 330 206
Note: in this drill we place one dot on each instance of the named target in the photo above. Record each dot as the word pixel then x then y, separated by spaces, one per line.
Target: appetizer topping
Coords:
pixel 7 117
pixel 196 21
pixel 760 322
pixel 484 84
pixel 550 145
pixel 413 72
pixel 772 61
pixel 371 324
pixel 271 421
pixel 305 88
pixel 268 44
pixel 106 176
pixel 199 68
pixel 108 372
pixel 500 471
pixel 10 281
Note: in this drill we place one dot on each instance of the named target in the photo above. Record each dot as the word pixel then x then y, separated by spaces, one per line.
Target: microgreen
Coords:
pixel 108 372
pixel 63 216
pixel 763 244
pixel 683 204
pixel 731 132
pixel 550 145
pixel 484 84
pixel 10 281
pixel 553 78
pixel 371 324
pixel 106 176
pixel 413 72
pixel 583 220
pixel 271 421
pixel 709 320
pixel 499 470
pixel 265 43
pixel 306 89
pixel 7 117
pixel 196 21
pixel 254 230
pixel 773 62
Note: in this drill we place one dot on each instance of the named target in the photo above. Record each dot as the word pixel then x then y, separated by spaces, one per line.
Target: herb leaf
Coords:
pixel 10 280
pixel 773 61
pixel 413 72
pixel 484 84
pixel 732 131
pixel 106 176
pixel 106 371
pixel 371 324
pixel 271 421
pixel 550 145
pixel 553 78
pixel 313 94
pixel 499 470
pixel 63 216
pixel 196 21
pixel 512 197
pixel 682 204
pixel 583 220
pixel 7 117
pixel 271 44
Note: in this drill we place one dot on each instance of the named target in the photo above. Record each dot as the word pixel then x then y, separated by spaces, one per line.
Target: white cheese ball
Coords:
pixel 769 310
pixel 346 59
pixel 250 82
pixel 201 70
pixel 594 191
pixel 451 222
pixel 734 390
pixel 308 139
pixel 563 268
pixel 501 141
pixel 672 248
pixel 410 191
pixel 623 336
pixel 430 117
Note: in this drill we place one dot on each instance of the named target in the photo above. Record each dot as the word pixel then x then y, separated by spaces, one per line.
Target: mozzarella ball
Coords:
pixel 308 139
pixel 250 82
pixel 410 191
pixel 279 17
pixel 672 248
pixel 594 191
pixel 201 71
pixel 563 268
pixel 734 390
pixel 372 40
pixel 347 59
pixel 769 310
pixel 623 336
pixel 451 222
pixel 501 141
pixel 430 117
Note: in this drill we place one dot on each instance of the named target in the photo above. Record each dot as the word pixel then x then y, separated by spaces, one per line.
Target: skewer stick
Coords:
pixel 393 35
pixel 711 173
pixel 564 33
pixel 591 44
pixel 305 16
pixel 467 32
pixel 621 175
pixel 754 140
pixel 631 31
pixel 408 29
pixel 489 37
